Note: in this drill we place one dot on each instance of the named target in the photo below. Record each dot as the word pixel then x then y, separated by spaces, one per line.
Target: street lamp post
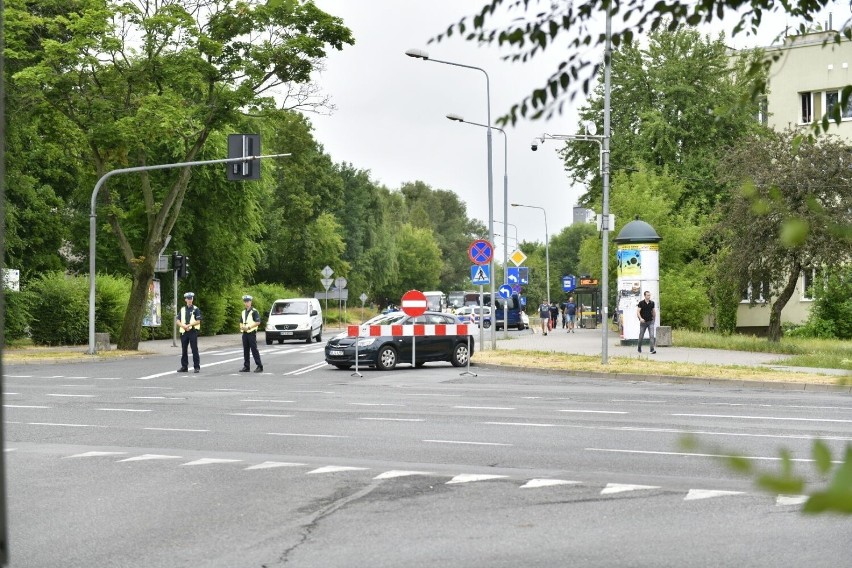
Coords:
pixel 457 118
pixel 420 54
pixel 603 144
pixel 546 245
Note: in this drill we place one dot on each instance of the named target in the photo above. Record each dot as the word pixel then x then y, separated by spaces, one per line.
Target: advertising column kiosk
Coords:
pixel 638 256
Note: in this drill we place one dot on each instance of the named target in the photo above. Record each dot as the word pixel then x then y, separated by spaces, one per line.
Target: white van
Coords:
pixel 296 318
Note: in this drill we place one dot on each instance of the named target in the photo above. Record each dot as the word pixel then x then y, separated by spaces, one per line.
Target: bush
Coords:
pixel 17 316
pixel 831 313
pixel 683 302
pixel 111 296
pixel 60 309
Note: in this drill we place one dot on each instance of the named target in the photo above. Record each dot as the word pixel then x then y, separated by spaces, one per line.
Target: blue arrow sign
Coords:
pixel 480 275
pixel 513 276
pixel 569 282
pixel 524 275
pixel 505 291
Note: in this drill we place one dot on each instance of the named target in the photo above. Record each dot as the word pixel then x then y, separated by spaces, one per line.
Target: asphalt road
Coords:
pixel 127 463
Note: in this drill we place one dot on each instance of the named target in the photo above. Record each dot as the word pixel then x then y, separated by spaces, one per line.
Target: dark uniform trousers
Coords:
pixel 250 343
pixel 189 339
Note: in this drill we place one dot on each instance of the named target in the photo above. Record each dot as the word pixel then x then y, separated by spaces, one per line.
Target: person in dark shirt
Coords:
pixel 646 311
pixel 554 315
pixel 570 314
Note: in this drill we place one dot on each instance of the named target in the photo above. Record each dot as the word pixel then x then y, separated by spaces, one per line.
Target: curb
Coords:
pixel 675 379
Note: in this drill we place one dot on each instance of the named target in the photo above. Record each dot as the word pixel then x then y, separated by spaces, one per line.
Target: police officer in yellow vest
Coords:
pixel 249 322
pixel 189 322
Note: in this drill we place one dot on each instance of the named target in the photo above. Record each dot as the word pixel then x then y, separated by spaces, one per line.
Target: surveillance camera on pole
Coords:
pixel 535 143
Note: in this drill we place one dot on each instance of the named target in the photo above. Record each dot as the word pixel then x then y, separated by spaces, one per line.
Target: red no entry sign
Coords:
pixel 414 303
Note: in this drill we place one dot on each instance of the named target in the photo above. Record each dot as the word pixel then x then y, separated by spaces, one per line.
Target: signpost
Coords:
pixel 340 284
pixel 481 252
pixel 569 282
pixel 326 282
pixel 414 304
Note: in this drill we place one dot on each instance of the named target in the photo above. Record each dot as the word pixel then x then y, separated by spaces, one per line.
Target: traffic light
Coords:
pixel 184 268
pixel 179 264
pixel 241 146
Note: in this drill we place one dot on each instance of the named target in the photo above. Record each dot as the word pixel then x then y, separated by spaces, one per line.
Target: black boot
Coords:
pixel 259 369
pixel 245 369
pixel 183 370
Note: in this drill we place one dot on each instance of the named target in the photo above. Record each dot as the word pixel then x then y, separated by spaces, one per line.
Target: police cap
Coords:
pixel 247 298
pixel 189 296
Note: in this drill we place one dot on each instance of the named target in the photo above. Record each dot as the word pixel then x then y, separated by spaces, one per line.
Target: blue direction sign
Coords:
pixel 523 300
pixel 513 275
pixel 524 275
pixel 480 252
pixel 569 282
pixel 480 275
pixel 505 291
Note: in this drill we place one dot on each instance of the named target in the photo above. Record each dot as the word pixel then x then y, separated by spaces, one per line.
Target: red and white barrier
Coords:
pixel 414 330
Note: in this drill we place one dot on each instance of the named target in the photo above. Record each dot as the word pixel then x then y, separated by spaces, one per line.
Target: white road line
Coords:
pixel 622 487
pixel 765 418
pixel 317 392
pixel 155 388
pixel 146 457
pixel 74 395
pixel 688 454
pixel 95 454
pixel 69 425
pixel 535 483
pixel 270 464
pixel 320 350
pixel 305 435
pixel 24 406
pixel 469 477
pixel 485 407
pixel 265 415
pixel 236 390
pixel 518 424
pixel 307 369
pixel 106 378
pixel 466 443
pixel 790 499
pixel 10 393
pixel 208 461
pixel 374 404
pixel 741 434
pixel 695 494
pixel 264 400
pixel 400 473
pixel 76 377
pixel 176 429
pixel 595 411
pixel 159 397
pixel 156 375
pixel 18 376
pixel 125 409
pixel 430 394
pixel 336 468
pixel 397 419
pixel 634 400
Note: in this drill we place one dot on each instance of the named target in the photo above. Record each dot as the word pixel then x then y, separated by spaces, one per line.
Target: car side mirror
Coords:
pixel 313 312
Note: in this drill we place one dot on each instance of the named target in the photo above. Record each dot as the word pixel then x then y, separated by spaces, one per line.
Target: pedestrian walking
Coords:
pixel 571 313
pixel 646 311
pixel 554 315
pixel 249 322
pixel 544 315
pixel 189 321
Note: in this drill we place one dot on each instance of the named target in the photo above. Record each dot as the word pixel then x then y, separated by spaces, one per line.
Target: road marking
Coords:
pixel 264 400
pixel 765 418
pixel 263 415
pixel 23 406
pixel 519 424
pixel 307 369
pixel 470 477
pixel 742 434
pixel 10 393
pixel 790 499
pixel 695 494
pixel 95 454
pixel 145 457
pixel 770 458
pixel 468 443
pixel 535 483
pixel 156 375
pixel 69 425
pixel 400 473
pixel 396 419
pixel 635 400
pixel 159 397
pixel 236 390
pixel 125 409
pixel 430 394
pixel 595 411
pixel 305 435
pixel 18 376
pixel 269 464
pixel 485 407
pixel 336 468
pixel 318 392
pixel 374 404
pixel 320 350
pixel 74 395
pixel 176 429
pixel 208 461
pixel 622 487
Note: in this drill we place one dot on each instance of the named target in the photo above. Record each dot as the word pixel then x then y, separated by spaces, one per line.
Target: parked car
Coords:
pixel 294 318
pixel 475 314
pixel 385 352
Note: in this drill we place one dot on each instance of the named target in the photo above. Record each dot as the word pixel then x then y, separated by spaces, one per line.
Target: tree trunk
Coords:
pixel 131 328
pixel 774 334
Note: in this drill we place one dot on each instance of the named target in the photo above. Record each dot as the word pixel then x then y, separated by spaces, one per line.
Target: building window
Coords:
pixel 808 281
pixel 832 99
pixel 762 115
pixel 759 291
pixel 807 108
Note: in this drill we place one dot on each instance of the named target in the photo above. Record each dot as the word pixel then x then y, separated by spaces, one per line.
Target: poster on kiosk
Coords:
pixel 638 271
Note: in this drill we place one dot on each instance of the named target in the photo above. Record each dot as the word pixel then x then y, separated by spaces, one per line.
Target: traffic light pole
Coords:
pixel 93 221
pixel 175 304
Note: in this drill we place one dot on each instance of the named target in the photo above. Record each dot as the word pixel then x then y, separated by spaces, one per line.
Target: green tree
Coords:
pixel 146 84
pixel 787 197
pixel 419 259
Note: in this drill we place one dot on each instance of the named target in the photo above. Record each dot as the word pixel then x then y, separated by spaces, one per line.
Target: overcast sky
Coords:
pixel 391 109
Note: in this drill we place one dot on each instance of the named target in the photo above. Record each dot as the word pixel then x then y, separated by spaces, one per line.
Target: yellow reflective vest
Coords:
pixel 249 322
pixel 194 323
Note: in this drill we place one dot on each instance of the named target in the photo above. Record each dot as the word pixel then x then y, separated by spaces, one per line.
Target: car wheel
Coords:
pixel 386 359
pixel 310 337
pixel 521 327
pixel 343 366
pixel 486 325
pixel 460 355
pixel 319 337
pixel 419 364
pixel 280 342
pixel 269 342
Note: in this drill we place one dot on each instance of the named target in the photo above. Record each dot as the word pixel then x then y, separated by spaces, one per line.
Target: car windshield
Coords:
pixel 290 308
pixel 386 319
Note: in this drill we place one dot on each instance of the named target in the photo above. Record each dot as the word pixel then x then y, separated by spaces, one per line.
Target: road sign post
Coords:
pixel 413 304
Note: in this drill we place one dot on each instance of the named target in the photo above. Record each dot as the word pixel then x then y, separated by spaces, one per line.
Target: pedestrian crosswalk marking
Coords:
pixel 96 454
pixel 695 494
pixel 206 461
pixel 270 464
pixel 621 487
pixel 151 457
pixel 469 477
pixel 400 473
pixel 336 468
pixel 534 483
